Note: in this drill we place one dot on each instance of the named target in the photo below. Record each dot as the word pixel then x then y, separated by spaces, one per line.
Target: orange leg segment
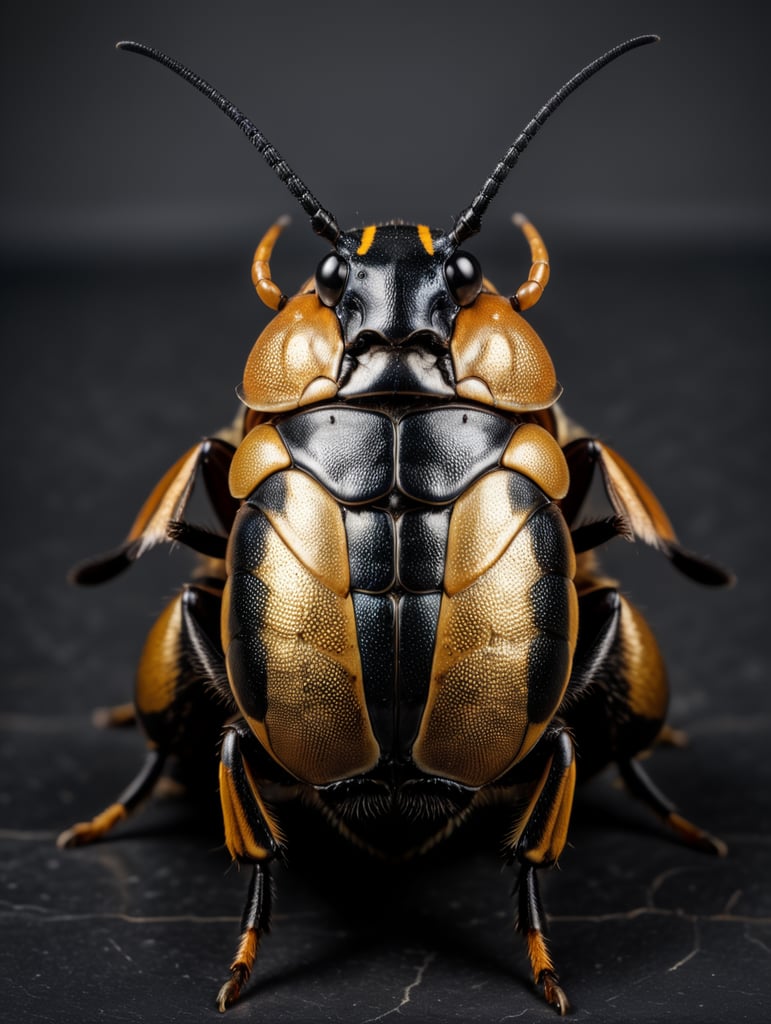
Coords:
pixel 138 790
pixel 253 837
pixel 254 924
pixel 537 842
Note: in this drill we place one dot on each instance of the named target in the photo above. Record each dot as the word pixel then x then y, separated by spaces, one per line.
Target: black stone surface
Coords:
pixel 109 373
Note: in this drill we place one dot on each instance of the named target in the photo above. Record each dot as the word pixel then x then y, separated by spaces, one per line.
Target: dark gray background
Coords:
pixel 130 212
pixel 388 110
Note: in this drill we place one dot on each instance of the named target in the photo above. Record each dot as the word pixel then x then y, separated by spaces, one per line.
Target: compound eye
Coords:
pixel 331 275
pixel 464 277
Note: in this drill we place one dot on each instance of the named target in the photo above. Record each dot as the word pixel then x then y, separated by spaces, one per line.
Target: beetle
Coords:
pixel 401 617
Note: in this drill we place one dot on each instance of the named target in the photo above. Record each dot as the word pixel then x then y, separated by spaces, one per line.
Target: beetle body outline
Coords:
pixel 401 617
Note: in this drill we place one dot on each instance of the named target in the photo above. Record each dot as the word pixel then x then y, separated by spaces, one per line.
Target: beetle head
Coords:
pixel 387 284
pixel 394 290
pixel 397 308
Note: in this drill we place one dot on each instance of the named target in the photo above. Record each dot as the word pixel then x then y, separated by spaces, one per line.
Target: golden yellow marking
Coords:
pixel 475 725
pixel 321 389
pixel 239 837
pixel 158 668
pixel 311 525
pixel 483 525
pixel 261 453
pixel 496 353
pixel 424 234
pixel 554 829
pixel 644 671
pixel 316 724
pixel 367 238
pixel 316 720
pixel 300 344
pixel 534 453
pixel 270 820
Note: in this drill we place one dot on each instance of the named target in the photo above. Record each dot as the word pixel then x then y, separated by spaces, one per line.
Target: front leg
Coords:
pixel 537 842
pixel 253 837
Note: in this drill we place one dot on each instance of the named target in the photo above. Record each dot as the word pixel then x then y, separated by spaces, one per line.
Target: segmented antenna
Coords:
pixel 322 222
pixel 470 221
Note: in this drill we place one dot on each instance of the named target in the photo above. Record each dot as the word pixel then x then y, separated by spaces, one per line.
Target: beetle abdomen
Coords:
pixel 398 594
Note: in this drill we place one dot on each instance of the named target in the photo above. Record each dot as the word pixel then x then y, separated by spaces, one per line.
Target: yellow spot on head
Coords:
pixel 367 238
pixel 424 233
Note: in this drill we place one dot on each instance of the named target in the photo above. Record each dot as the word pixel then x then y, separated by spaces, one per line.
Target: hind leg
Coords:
pixel 182 699
pixel 617 700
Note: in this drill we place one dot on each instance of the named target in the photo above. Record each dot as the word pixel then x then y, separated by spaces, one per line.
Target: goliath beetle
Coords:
pixel 401 618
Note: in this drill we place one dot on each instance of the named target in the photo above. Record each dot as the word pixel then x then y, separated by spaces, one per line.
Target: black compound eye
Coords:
pixel 464 277
pixel 331 275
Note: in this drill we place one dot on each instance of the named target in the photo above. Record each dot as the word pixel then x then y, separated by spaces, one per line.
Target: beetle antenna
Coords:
pixel 322 222
pixel 470 221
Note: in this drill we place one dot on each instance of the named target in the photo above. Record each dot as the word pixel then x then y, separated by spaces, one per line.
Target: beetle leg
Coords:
pixel 632 499
pixel 164 508
pixel 537 842
pixel 180 684
pixel 616 701
pixel 640 785
pixel 531 921
pixel 255 923
pixel 119 716
pixel 137 791
pixel 252 836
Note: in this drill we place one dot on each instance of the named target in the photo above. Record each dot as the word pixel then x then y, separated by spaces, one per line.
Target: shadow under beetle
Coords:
pixel 401 618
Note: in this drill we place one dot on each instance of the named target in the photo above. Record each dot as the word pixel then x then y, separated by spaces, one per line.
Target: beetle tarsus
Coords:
pixel 231 990
pixel 642 786
pixel 85 832
pixel 140 787
pixel 240 969
pixel 695 836
pixel 554 994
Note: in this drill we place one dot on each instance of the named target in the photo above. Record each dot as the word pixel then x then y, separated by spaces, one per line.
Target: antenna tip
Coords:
pixel 643 40
pixel 132 47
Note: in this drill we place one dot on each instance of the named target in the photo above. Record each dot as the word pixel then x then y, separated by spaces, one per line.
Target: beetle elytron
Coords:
pixel 401 619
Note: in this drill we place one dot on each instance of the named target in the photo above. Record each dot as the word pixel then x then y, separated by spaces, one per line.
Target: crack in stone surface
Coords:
pixel 409 989
pixel 8 909
pixel 51 917
pixel 694 951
